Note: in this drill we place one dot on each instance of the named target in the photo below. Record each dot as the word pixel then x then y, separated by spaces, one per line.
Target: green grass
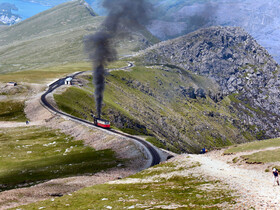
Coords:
pixel 233 98
pixel 235 160
pixel 117 64
pixel 35 154
pixel 40 76
pixel 263 156
pixel 12 111
pixel 149 101
pixel 256 145
pixel 183 191
pixel 156 142
pixel 77 102
pixel 80 103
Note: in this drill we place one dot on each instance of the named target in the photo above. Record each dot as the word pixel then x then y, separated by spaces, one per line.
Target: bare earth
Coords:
pixel 252 183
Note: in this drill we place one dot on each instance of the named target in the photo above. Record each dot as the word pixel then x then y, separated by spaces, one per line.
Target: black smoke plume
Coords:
pixel 129 14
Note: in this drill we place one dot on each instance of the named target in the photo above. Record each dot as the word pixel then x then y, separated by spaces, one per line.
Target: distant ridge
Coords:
pixel 55 36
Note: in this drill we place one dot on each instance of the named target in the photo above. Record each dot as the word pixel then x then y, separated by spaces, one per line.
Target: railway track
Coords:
pixel 154 154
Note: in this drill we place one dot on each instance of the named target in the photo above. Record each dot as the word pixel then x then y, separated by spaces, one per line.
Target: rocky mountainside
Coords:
pixel 7 17
pixel 231 58
pixel 55 36
pixel 175 18
pixel 211 88
pixel 259 18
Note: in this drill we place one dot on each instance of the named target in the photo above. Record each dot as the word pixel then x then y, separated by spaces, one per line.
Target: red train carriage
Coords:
pixel 101 123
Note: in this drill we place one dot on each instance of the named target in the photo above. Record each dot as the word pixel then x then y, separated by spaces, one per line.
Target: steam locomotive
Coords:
pixel 101 122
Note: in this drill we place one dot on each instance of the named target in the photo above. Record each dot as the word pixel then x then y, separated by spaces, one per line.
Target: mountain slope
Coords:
pixel 56 36
pixel 51 21
pixel 213 87
pixel 259 18
pixel 232 58
pixel 175 18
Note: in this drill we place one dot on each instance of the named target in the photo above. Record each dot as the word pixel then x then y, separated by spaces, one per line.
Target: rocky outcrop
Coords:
pixel 232 58
pixel 6 20
pixel 125 123
pixel 260 18
pixel 6 15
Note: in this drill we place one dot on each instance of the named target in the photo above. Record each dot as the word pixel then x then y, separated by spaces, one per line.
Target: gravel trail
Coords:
pixel 254 186
pixel 5 124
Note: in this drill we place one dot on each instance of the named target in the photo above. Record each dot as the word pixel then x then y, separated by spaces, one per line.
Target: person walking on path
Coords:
pixel 276 176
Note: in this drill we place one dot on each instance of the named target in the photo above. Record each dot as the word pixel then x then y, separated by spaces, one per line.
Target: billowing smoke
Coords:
pixel 129 14
pixel 198 15
pixel 100 52
pixel 204 16
pixel 174 19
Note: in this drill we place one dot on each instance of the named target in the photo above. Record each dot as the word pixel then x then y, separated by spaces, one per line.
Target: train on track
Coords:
pixel 101 122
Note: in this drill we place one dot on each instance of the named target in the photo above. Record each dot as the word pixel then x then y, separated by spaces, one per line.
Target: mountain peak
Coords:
pixel 83 2
pixel 6 15
pixel 62 17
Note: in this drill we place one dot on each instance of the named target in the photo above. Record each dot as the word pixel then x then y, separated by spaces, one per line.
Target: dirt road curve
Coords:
pixel 253 184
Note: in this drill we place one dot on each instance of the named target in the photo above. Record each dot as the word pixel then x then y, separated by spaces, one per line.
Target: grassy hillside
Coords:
pixel 265 153
pixel 35 154
pixel 153 100
pixel 56 37
pixel 12 111
pixel 171 185
pixel 44 75
pixel 256 145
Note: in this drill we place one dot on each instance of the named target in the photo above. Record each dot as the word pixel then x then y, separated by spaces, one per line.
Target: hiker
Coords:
pixel 203 151
pixel 27 122
pixel 276 176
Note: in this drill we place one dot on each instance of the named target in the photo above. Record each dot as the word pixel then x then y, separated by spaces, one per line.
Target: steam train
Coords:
pixel 101 122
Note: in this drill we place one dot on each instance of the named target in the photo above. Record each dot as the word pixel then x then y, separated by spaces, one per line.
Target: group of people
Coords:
pixel 203 151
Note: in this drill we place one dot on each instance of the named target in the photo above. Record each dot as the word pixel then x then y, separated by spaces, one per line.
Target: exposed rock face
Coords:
pixel 233 59
pixel 6 15
pixel 260 18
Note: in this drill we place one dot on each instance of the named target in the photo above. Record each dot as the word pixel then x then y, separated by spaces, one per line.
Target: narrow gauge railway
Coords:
pixel 103 124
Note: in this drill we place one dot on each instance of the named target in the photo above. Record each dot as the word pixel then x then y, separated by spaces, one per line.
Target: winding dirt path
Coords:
pixel 250 181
